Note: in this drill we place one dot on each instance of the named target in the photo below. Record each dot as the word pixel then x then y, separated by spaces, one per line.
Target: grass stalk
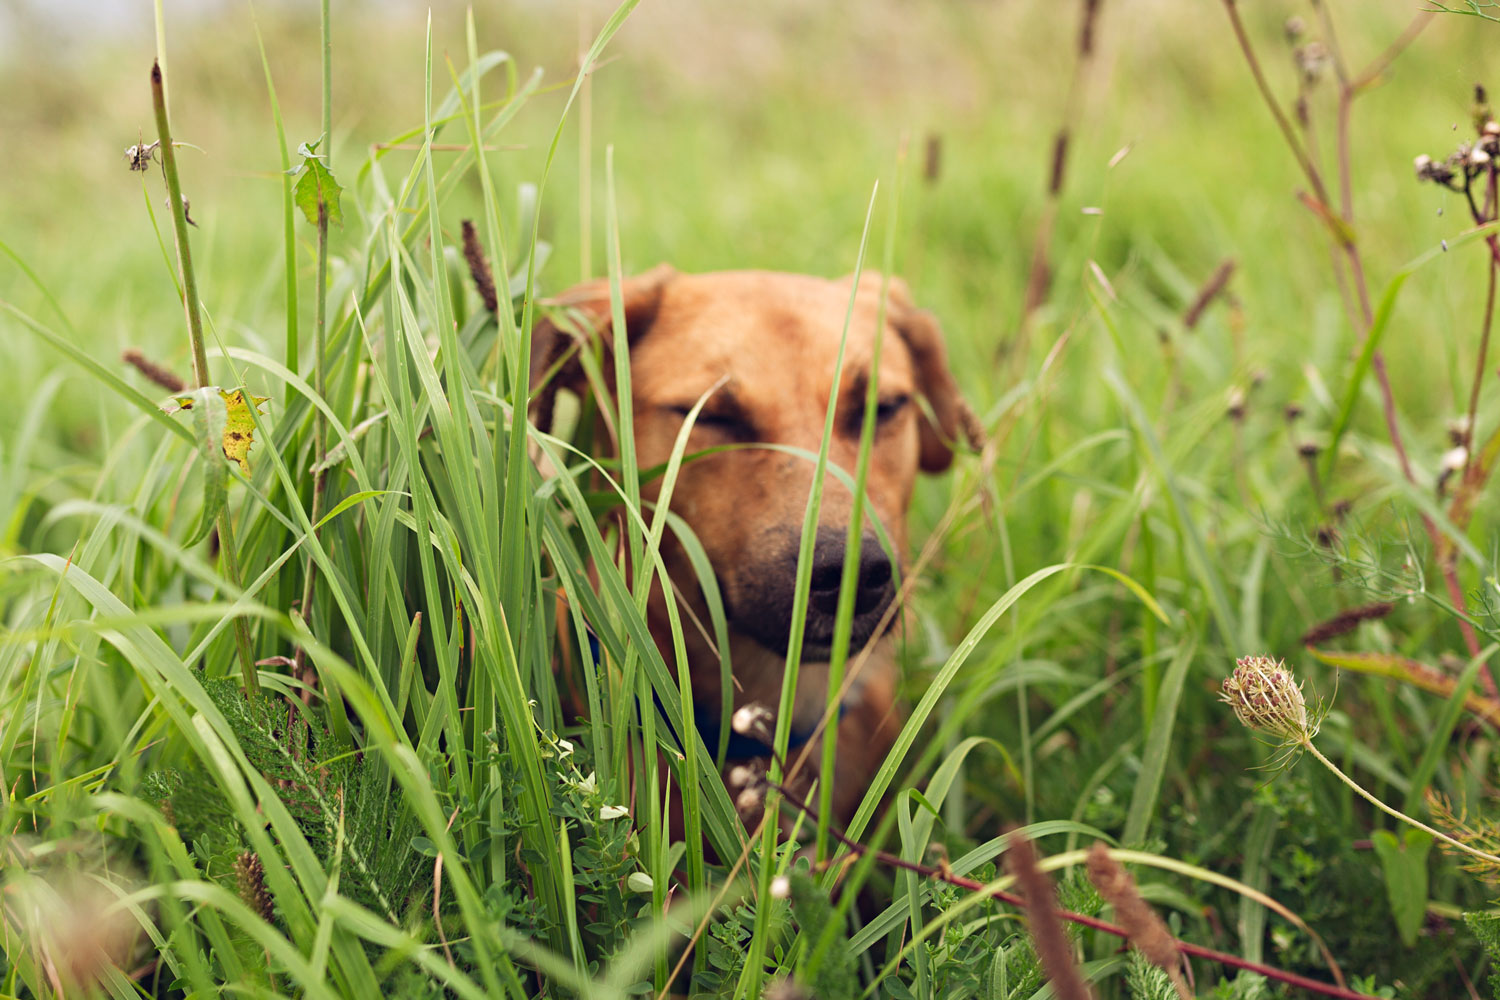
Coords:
pixel 177 206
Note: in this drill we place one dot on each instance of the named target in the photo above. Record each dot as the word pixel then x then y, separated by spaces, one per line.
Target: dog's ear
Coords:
pixel 588 317
pixel 923 337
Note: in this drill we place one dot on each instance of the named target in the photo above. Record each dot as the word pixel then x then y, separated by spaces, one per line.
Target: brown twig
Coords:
pixel 1094 923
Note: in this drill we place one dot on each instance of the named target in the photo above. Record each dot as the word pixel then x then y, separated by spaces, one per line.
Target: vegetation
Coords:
pixel 295 722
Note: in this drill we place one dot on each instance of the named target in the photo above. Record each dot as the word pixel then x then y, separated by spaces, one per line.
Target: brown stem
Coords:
pixel 1303 160
pixel 1479 368
pixel 944 875
pixel 1382 62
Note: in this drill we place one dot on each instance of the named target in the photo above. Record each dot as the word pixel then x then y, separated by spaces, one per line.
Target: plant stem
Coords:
pixel 1197 951
pixel 1395 813
pixel 320 336
pixel 178 209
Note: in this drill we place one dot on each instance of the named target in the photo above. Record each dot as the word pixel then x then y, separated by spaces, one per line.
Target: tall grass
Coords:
pixel 412 805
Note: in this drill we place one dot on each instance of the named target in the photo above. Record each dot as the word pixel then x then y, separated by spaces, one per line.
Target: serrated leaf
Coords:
pixel 239 432
pixel 232 425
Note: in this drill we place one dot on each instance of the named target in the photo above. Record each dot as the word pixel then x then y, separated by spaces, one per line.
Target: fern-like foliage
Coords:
pixel 341 799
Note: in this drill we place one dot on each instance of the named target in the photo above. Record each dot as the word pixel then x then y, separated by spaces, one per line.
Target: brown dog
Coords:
pixel 770 343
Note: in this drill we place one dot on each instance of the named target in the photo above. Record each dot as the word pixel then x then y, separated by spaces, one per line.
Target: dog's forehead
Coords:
pixel 760 325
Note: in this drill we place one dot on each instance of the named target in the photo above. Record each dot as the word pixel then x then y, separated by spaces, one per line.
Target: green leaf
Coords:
pixel 1405 865
pixel 210 418
pixel 316 184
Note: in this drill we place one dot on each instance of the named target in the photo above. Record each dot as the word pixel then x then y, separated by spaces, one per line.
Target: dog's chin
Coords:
pixel 817 636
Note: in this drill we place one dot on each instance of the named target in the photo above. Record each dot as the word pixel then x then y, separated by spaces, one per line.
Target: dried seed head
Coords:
pixel 1295 28
pixel 749 804
pixel 159 374
pixel 1312 60
pixel 1478 157
pixel 1267 698
pixel 1145 928
pixel 1042 920
pixel 1292 412
pixel 1454 459
pixel 1308 449
pixel 1458 430
pixel 1236 407
pixel 753 720
pixel 1423 164
pixel 250 879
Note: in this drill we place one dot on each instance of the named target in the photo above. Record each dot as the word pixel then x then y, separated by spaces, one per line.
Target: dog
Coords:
pixel 763 347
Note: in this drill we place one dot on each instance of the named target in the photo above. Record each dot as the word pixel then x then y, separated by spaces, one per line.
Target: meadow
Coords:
pixel 298 725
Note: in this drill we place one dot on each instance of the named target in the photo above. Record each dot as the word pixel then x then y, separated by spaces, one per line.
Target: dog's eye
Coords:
pixel 887 408
pixel 729 424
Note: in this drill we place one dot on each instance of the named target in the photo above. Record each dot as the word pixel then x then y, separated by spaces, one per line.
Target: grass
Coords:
pixel 409 810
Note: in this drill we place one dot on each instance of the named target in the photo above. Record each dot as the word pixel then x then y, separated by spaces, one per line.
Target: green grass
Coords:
pixel 1081 586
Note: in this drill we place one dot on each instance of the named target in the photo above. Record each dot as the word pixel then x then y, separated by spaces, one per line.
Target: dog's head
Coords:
pixel 763 348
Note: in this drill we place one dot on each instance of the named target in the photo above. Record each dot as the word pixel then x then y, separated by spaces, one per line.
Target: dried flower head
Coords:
pixel 753 720
pixel 1236 404
pixel 1267 698
pixel 1312 60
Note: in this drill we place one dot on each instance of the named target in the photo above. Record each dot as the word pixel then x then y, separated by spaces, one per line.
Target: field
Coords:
pixel 305 725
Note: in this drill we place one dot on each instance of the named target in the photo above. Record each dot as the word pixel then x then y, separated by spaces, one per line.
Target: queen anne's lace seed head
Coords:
pixel 1267 698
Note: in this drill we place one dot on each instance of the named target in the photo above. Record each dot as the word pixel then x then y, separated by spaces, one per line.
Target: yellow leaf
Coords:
pixel 239 428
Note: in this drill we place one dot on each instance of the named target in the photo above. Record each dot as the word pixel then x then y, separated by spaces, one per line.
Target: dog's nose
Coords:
pixel 874 586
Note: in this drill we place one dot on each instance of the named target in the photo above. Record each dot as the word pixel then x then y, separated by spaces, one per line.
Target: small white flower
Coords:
pixel 565 747
pixel 781 887
pixel 589 785
pixel 613 812
pixel 639 882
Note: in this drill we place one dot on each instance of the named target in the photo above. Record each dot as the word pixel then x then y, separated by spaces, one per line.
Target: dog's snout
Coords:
pixel 874 576
pixel 873 587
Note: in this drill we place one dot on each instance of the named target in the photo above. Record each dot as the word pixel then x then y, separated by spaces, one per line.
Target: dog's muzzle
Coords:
pixel 761 606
